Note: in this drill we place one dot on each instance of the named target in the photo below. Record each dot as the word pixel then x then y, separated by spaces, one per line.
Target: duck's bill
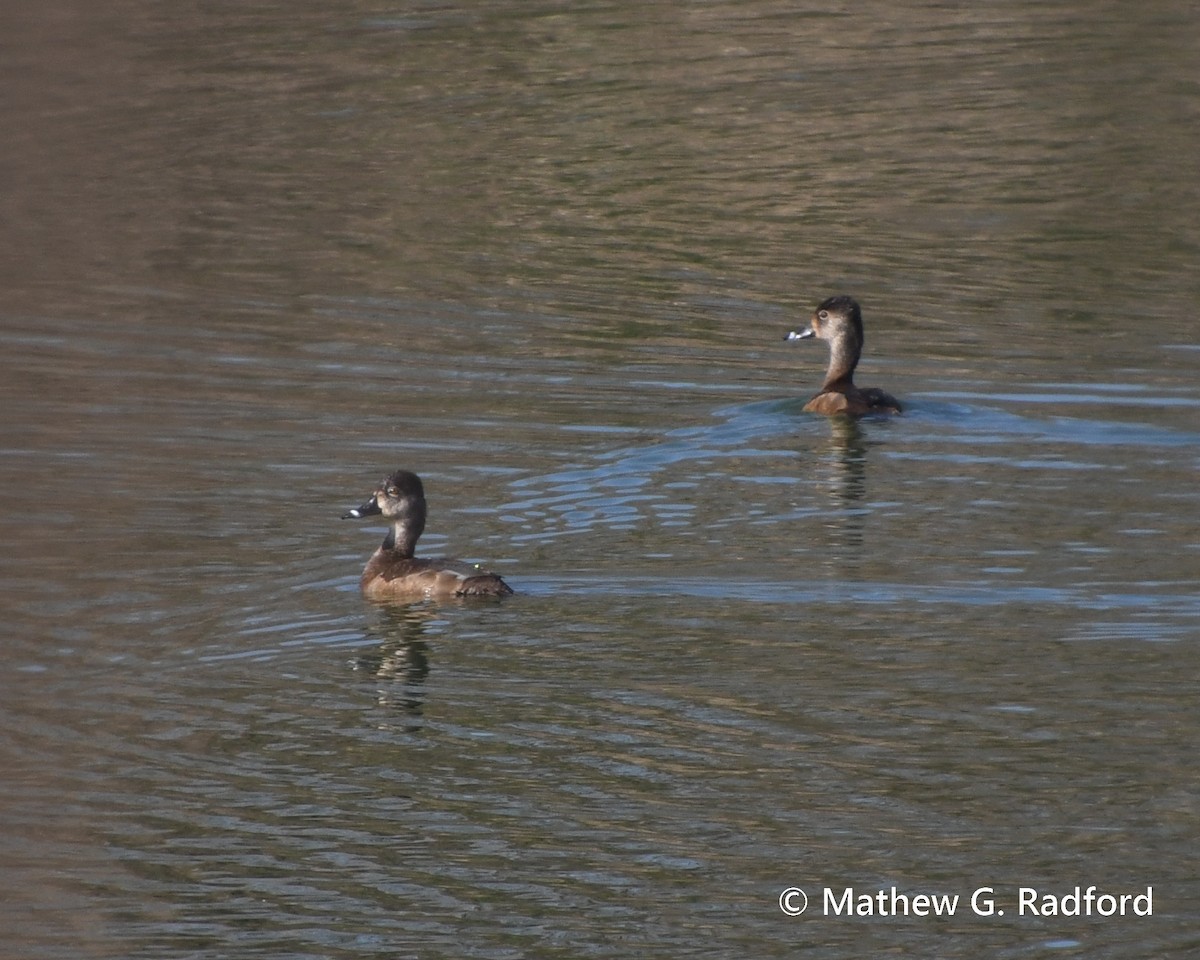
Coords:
pixel 368 509
pixel 804 334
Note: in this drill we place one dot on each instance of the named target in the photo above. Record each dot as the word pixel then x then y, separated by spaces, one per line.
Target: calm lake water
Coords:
pixel 256 256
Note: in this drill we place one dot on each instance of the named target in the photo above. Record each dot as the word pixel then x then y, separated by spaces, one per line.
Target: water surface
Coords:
pixel 545 255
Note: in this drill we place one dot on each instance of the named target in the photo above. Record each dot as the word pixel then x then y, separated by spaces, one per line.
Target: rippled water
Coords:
pixel 545 255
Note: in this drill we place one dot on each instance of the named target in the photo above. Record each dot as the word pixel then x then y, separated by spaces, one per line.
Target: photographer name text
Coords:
pixel 982 902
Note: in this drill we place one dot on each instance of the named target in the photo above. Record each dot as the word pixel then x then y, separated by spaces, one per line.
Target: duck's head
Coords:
pixel 399 499
pixel 836 319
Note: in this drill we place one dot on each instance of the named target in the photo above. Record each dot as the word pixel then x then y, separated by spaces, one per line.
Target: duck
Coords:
pixel 838 321
pixel 394 572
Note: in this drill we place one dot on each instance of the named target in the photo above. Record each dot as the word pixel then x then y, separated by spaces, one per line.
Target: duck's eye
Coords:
pixel 822 314
pixel 392 491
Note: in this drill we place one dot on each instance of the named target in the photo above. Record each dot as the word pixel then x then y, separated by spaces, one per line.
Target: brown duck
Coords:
pixel 838 321
pixel 393 573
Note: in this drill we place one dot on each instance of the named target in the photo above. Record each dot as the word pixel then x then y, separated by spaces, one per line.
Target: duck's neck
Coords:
pixel 402 538
pixel 843 358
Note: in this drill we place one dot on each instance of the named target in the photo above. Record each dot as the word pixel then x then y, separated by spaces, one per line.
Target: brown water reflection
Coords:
pixel 473 151
pixel 545 255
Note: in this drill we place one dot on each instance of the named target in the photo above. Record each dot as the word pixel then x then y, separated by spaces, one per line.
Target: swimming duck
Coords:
pixel 838 321
pixel 393 573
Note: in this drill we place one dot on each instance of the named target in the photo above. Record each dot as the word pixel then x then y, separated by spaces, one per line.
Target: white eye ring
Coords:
pixel 823 314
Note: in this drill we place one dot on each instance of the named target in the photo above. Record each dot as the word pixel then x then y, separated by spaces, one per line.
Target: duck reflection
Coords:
pixel 845 462
pixel 843 469
pixel 400 660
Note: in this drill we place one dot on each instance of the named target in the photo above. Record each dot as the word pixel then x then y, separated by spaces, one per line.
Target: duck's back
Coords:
pixel 879 401
pixel 854 403
pixel 388 577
